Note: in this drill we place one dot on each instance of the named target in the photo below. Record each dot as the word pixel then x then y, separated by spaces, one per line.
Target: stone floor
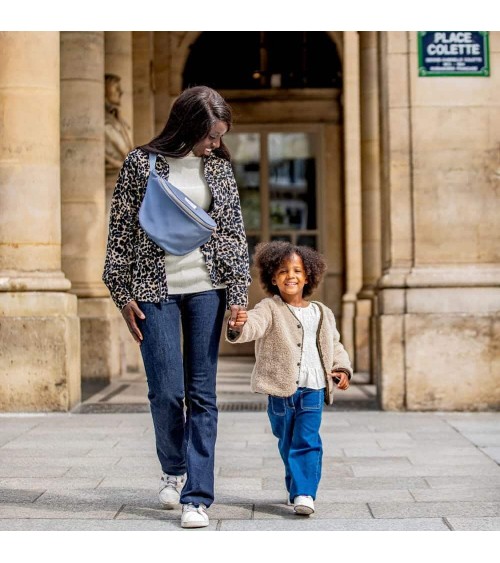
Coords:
pixel 97 469
pixel 129 393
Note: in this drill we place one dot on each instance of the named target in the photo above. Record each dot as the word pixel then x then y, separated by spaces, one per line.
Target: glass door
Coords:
pixel 277 170
pixel 276 173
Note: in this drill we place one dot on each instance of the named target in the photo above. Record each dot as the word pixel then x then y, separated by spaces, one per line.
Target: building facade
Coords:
pixel 337 143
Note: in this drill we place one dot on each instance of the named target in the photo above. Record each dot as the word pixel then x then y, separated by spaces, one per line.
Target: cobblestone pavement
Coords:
pixel 381 470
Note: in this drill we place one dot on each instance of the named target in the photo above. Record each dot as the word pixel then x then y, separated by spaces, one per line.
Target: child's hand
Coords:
pixel 344 380
pixel 238 322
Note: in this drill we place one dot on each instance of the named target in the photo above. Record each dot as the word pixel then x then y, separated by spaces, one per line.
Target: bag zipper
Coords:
pixel 183 206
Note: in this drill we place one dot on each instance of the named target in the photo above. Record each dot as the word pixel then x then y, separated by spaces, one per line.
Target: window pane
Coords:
pixel 292 181
pixel 307 240
pixel 245 156
pixel 286 238
pixel 252 240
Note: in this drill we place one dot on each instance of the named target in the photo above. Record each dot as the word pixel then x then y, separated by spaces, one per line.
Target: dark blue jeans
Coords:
pixel 295 421
pixel 185 438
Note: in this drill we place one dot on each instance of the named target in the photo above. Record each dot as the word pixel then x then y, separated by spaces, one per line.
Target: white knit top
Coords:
pixel 188 273
pixel 311 371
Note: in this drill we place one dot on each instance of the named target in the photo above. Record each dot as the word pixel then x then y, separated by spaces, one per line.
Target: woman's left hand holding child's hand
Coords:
pixel 344 380
pixel 238 318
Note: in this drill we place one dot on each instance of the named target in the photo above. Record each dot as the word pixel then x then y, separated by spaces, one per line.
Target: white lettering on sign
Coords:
pixel 453 37
pixel 455 49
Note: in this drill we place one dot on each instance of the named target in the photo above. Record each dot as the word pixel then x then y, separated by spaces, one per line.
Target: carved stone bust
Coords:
pixel 117 130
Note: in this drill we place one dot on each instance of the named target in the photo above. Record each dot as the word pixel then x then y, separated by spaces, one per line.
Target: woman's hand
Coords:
pixel 238 317
pixel 129 313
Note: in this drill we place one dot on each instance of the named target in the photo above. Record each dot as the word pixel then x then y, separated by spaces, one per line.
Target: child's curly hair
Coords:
pixel 269 256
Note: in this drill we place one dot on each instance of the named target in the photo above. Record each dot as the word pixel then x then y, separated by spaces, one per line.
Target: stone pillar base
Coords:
pixel 130 351
pixel 362 334
pixel 101 335
pixel 39 352
pixel 439 341
pixel 347 335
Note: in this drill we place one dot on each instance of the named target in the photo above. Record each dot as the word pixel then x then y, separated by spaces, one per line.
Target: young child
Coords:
pixel 296 345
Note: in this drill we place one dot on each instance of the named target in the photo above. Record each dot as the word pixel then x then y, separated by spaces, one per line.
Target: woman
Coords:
pixel 192 156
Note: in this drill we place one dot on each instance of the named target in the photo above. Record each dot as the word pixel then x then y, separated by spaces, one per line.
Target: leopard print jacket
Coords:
pixel 135 266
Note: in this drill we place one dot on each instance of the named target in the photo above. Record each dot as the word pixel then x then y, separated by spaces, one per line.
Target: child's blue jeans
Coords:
pixel 295 421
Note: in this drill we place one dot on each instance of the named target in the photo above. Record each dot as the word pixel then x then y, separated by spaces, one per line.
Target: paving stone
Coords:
pixel 366 460
pixel 53 444
pixel 152 511
pixel 277 496
pixel 476 426
pixel 99 496
pixel 232 446
pixel 475 524
pixel 478 459
pixel 412 470
pixel 421 449
pixel 149 472
pixel 238 483
pixel 130 482
pixel 449 494
pixel 376 483
pixel 47 453
pixel 426 470
pixel 318 525
pixel 67 511
pixel 127 462
pixel 258 472
pixel 467 482
pixel 122 452
pixel 363 495
pixel 49 483
pixel 484 439
pixel 434 509
pixel 323 510
pixel 20 462
pixel 237 464
pixel 19 495
pixel 61 525
pixel 41 471
pixel 493 453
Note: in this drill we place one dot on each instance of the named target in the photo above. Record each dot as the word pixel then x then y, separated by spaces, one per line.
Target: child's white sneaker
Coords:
pixel 170 487
pixel 303 505
pixel 194 517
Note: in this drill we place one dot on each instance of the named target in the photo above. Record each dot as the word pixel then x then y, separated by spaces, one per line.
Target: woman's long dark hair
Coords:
pixel 192 116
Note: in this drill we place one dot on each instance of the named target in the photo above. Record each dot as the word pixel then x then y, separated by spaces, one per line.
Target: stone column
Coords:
pixel 352 167
pixel 119 60
pixel 370 179
pixel 144 86
pixel 83 193
pixel 164 45
pixel 39 326
pixel 438 317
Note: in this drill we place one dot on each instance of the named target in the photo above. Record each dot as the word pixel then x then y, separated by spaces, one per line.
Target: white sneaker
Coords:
pixel 169 493
pixel 303 505
pixel 193 517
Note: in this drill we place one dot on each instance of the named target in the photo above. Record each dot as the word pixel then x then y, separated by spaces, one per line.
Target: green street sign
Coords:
pixel 453 53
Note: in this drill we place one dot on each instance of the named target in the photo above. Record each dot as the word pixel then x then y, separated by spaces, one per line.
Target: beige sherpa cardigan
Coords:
pixel 278 348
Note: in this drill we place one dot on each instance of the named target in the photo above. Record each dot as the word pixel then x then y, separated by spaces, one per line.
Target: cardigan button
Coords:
pixel 298 363
pixel 298 326
pixel 298 344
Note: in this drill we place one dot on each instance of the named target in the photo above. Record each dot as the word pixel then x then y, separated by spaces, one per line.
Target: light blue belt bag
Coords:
pixel 172 220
